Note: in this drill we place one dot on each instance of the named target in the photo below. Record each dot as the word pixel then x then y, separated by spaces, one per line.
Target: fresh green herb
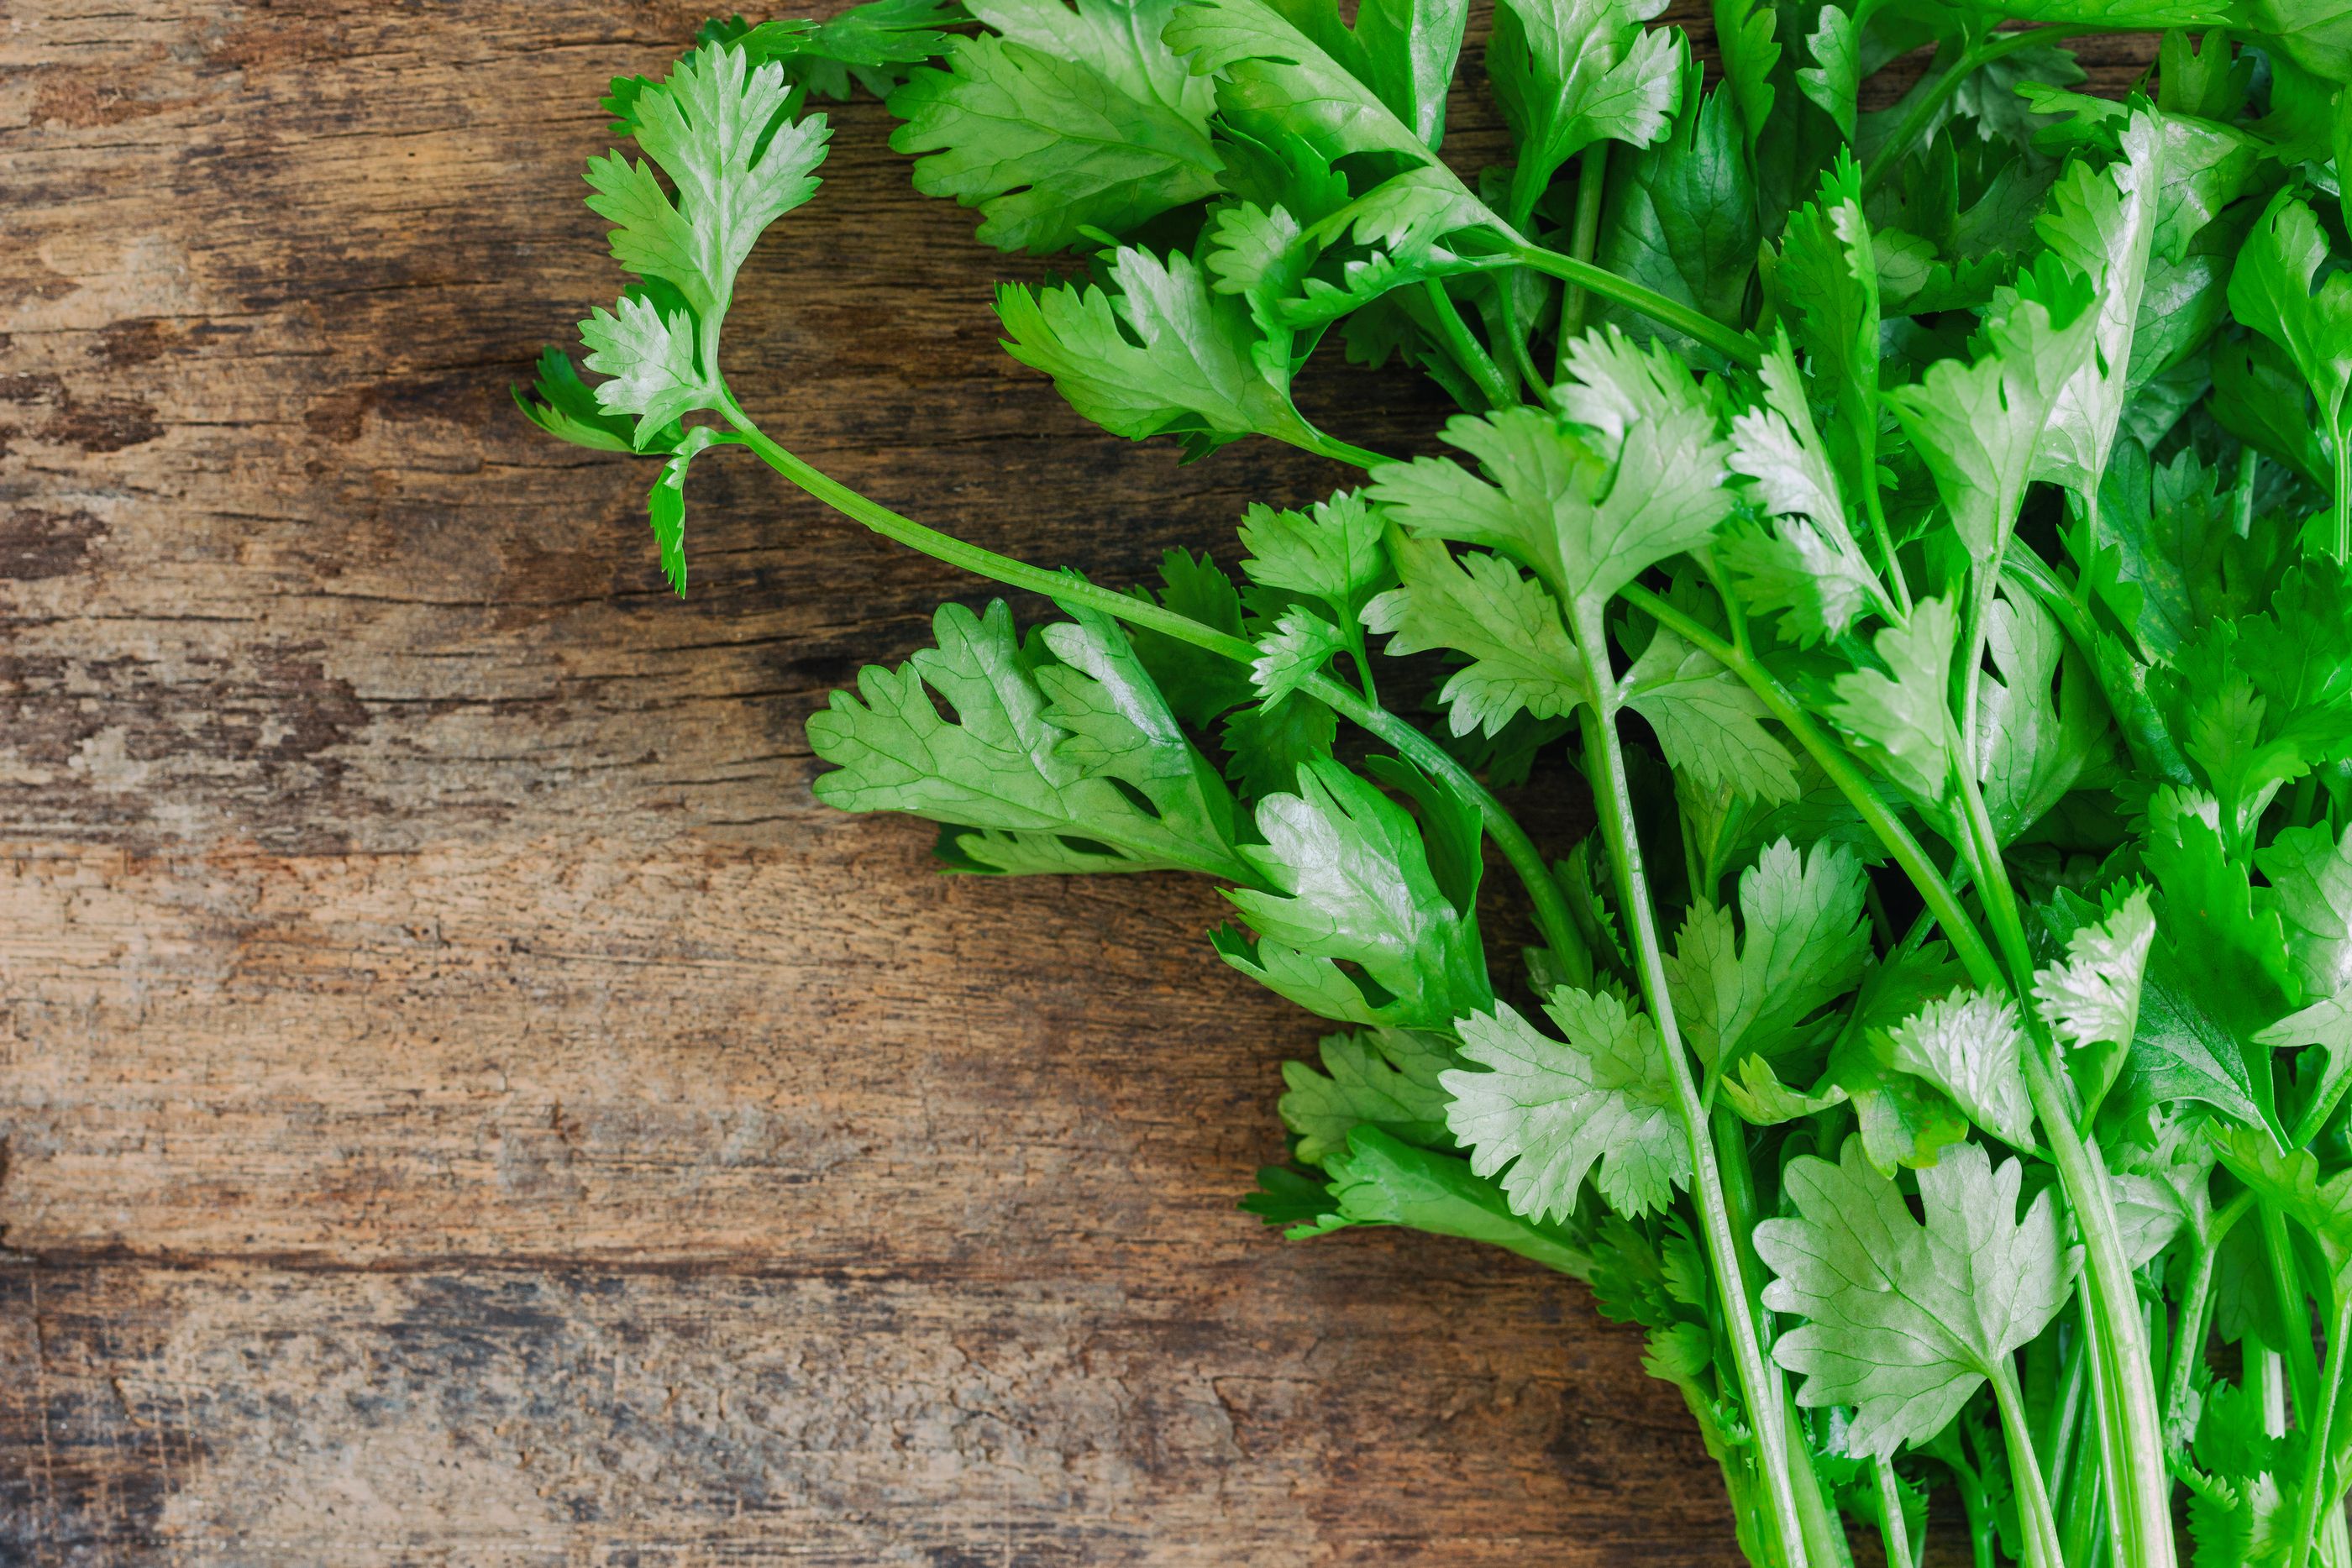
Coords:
pixel 1921 533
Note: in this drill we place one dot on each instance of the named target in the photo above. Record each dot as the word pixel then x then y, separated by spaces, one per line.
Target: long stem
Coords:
pixel 1464 349
pixel 2132 1439
pixel 1759 1381
pixel 2041 1549
pixel 1592 171
pixel 2343 499
pixel 1894 1529
pixel 1731 343
pixel 2196 1303
pixel 1935 93
pixel 2315 1489
pixel 1543 892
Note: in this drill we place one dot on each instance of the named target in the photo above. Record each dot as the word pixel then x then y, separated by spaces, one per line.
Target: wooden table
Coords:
pixel 464 1102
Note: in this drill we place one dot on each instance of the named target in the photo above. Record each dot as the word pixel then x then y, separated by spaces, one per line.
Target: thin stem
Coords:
pixel 1759 1381
pixel 2343 499
pixel 1731 343
pixel 1464 349
pixel 1543 892
pixel 1968 944
pixel 1894 1529
pixel 1591 173
pixel 2294 1318
pixel 1939 90
pixel 2196 1305
pixel 2041 1549
pixel 2314 1460
pixel 1865 433
pixel 2132 1436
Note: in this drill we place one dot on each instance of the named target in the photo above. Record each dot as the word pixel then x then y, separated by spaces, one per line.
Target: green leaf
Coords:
pixel 2093 998
pixel 1059 120
pixel 1752 57
pixel 869 44
pixel 2270 290
pixel 1269 743
pixel 1969 1045
pixel 650 358
pixel 1755 1092
pixel 1352 884
pixel 1829 276
pixel 665 506
pixel 2291 1181
pixel 2177 545
pixel 1905 1320
pixel 1381 1181
pixel 1679 217
pixel 1330 552
pixel 712 127
pixel 2101 224
pixel 1804 943
pixel 1025 757
pixel 2036 744
pixel 562 405
pixel 1708 724
pixel 1809 564
pixel 1164 356
pixel 1587 512
pixel 1275 80
pixel 1480 605
pixel 1384 1078
pixel 1978 426
pixel 1902 718
pixel 1833 81
pixel 1551 1111
pixel 2310 873
pixel 1199 685
pixel 1293 653
pixel 1569 73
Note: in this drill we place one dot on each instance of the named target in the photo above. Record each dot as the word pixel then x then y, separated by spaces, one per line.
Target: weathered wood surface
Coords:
pixel 464 1102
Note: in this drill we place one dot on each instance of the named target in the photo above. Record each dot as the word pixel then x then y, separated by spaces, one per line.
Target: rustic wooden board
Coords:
pixel 464 1102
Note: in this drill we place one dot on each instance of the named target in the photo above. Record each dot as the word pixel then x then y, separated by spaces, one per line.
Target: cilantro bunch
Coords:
pixel 1921 532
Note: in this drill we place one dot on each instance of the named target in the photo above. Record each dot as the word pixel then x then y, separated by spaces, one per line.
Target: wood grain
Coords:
pixel 464 1102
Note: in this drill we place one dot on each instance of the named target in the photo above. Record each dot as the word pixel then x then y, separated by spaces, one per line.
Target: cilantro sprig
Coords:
pixel 1921 534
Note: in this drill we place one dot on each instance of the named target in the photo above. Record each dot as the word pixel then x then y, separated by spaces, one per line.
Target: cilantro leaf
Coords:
pixel 1569 73
pixel 1293 653
pixel 2102 224
pixel 1708 722
pixel 2036 744
pixel 1379 1180
pixel 1522 660
pixel 1543 1113
pixel 1274 77
pixel 1905 1320
pixel 1804 945
pixel 1330 552
pixel 2272 290
pixel 1384 1078
pixel 1351 882
pixel 1588 513
pixel 1969 1045
pixel 1267 743
pixel 1059 120
pixel 1902 718
pixel 1679 215
pixel 1166 355
pixel 1978 426
pixel 2093 998
pixel 1051 750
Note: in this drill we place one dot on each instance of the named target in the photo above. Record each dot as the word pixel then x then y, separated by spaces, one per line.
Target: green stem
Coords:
pixel 2315 1490
pixel 2286 1286
pixel 2040 1527
pixel 1464 349
pixel 1591 172
pixel 2343 498
pixel 1862 428
pixel 1550 908
pixel 2196 1305
pixel 1894 1529
pixel 1942 901
pixel 2132 1437
pixel 1760 1382
pixel 1939 89
pixel 1732 344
